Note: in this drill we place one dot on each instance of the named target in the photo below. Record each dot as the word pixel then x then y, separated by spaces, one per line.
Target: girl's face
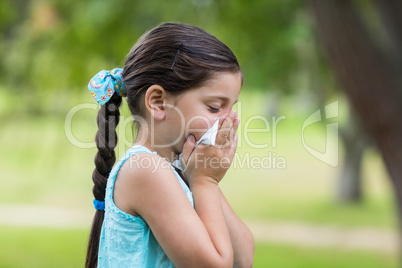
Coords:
pixel 196 110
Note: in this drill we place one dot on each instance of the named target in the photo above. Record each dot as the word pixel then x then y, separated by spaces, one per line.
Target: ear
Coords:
pixel 155 100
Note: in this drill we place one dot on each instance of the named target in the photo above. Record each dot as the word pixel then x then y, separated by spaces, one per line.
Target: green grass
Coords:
pixel 39 247
pixel 306 191
pixel 285 256
pixel 42 248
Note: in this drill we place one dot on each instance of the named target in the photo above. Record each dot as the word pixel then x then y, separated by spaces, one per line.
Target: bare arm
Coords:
pixel 240 235
pixel 206 195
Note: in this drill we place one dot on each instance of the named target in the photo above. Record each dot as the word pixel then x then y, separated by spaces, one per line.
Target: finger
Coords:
pixel 225 134
pixel 224 130
pixel 221 120
pixel 232 133
pixel 233 148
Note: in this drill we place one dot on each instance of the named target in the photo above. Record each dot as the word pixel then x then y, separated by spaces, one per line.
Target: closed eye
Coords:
pixel 214 110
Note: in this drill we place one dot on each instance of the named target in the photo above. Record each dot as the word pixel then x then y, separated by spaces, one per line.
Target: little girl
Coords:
pixel 178 80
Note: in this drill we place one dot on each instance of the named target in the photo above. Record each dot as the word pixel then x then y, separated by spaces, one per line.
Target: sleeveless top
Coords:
pixel 127 240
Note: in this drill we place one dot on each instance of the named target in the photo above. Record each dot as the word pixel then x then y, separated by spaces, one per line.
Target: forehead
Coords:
pixel 226 85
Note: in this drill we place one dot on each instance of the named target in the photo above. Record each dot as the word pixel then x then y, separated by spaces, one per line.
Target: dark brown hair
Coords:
pixel 174 56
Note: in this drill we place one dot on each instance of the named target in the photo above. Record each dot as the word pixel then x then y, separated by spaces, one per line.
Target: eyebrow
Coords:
pixel 222 98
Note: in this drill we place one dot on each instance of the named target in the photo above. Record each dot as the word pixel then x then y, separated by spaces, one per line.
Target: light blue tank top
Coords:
pixel 127 240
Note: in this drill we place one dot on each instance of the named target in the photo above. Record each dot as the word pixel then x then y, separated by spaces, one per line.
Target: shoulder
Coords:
pixel 142 177
pixel 144 163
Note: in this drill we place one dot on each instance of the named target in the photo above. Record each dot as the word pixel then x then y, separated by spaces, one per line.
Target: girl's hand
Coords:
pixel 207 161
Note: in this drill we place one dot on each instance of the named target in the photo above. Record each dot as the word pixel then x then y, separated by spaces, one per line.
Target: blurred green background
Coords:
pixel 297 206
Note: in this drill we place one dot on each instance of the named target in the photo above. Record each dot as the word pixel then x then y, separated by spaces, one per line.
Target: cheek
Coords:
pixel 174 125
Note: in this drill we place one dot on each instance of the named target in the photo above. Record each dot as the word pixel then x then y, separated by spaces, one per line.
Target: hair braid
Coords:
pixel 106 141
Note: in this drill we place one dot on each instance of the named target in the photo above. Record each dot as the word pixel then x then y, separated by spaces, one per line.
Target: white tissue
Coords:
pixel 209 138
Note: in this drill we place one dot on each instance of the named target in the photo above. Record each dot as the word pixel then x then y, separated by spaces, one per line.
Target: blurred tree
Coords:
pixel 367 58
pixel 350 188
pixel 349 183
pixel 50 47
pixel 268 37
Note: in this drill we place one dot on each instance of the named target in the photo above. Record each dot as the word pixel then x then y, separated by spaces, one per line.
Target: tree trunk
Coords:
pixel 350 182
pixel 367 76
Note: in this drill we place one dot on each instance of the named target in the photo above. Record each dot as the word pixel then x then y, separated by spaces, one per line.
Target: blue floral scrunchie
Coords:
pixel 105 83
